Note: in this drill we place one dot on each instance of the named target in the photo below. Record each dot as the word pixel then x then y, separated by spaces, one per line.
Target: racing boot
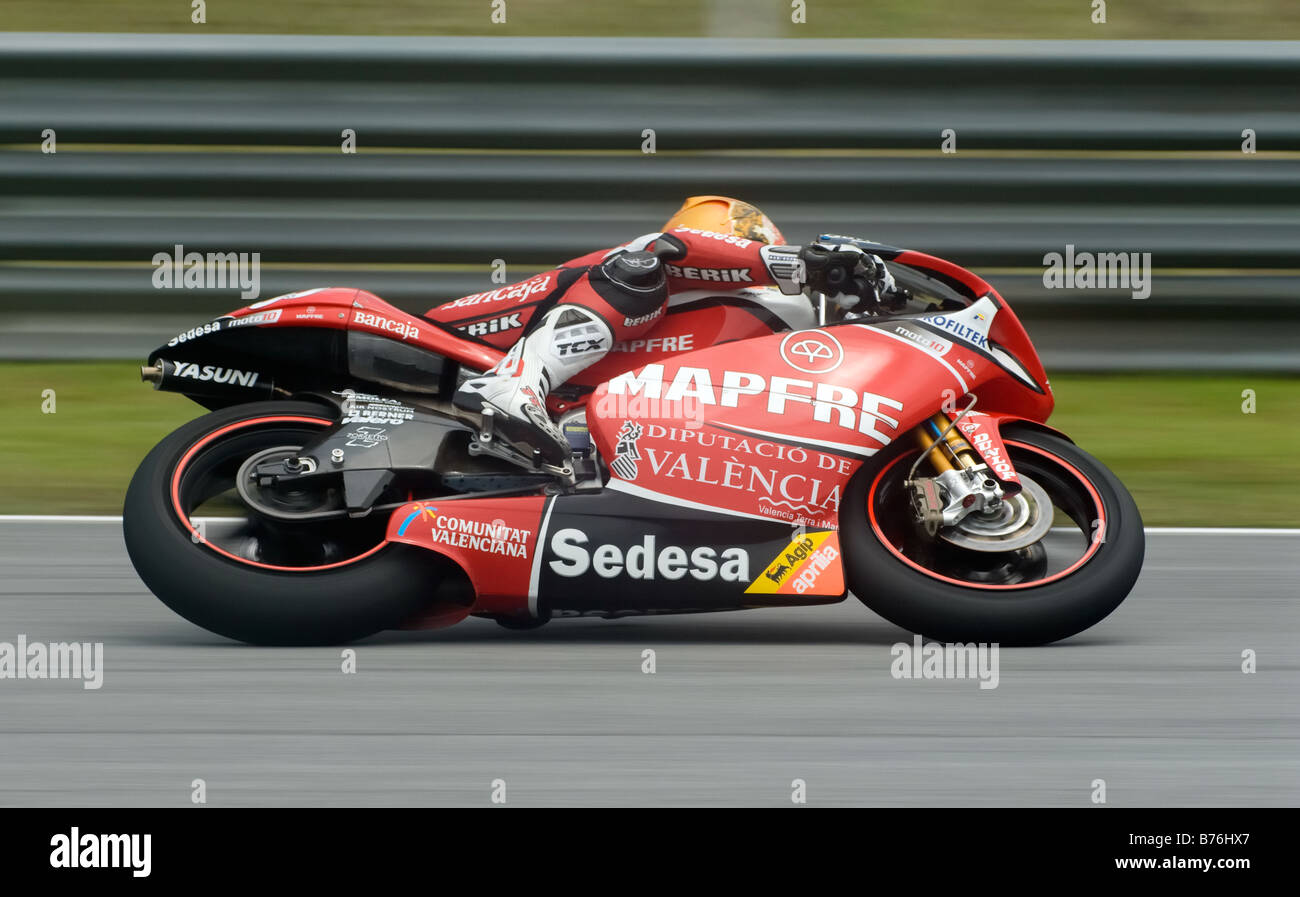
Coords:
pixel 567 339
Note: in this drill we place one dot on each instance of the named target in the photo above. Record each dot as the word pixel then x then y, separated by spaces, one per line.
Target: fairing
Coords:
pixel 729 446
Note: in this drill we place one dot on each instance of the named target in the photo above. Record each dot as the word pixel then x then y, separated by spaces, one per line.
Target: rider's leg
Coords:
pixel 618 299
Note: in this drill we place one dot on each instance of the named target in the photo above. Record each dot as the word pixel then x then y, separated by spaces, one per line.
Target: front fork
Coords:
pixel 953 453
pixel 962 484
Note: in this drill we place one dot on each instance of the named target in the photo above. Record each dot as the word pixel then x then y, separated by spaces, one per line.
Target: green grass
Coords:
pixel 1181 443
pixel 1185 448
pixel 1149 19
pixel 79 459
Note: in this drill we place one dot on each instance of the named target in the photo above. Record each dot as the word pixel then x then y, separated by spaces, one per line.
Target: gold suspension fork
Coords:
pixel 952 453
pixel 948 451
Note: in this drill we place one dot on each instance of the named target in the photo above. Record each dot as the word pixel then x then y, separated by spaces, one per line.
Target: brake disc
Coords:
pixel 312 500
pixel 1018 522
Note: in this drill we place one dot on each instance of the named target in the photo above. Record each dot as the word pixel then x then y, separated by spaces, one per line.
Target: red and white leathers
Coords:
pixel 572 316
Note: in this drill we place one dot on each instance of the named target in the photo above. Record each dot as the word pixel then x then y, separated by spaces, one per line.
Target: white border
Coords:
pixel 538 551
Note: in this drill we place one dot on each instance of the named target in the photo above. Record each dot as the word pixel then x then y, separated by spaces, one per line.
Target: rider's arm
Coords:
pixel 699 259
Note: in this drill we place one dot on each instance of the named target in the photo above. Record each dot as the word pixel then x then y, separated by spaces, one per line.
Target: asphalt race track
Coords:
pixel 1153 701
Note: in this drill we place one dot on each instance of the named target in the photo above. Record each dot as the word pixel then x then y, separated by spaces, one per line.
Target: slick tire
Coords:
pixel 258 604
pixel 1032 614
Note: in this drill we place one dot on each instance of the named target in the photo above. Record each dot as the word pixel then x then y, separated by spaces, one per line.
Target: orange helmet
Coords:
pixel 724 215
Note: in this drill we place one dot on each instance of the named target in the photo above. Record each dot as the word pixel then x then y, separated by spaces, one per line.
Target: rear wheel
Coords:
pixel 251 576
pixel 1074 550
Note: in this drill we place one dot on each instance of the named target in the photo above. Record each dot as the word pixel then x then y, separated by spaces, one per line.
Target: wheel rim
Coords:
pixel 204 485
pixel 1075 538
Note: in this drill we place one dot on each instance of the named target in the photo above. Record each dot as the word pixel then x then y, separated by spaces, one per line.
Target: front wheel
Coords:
pixel 1069 579
pixel 211 559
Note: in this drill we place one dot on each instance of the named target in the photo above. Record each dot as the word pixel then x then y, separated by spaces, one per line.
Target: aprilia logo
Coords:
pixel 807 564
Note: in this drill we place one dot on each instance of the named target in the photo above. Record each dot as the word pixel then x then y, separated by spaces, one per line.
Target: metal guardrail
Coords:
pixel 530 151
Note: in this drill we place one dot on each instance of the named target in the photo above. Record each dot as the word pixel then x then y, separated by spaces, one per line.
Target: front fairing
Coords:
pixel 775 426
pixel 941 287
pixel 987 353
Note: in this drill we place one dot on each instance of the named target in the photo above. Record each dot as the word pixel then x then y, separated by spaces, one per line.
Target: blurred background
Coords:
pixel 526 141
pixel 1061 19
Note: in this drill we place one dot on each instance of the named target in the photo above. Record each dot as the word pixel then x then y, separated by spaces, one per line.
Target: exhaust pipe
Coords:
pixel 206 379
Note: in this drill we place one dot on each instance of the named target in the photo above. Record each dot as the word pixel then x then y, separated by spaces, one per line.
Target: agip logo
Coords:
pixel 809 565
pixel 812 351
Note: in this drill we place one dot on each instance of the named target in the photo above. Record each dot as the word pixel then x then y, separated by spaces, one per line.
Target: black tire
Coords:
pixel 254 604
pixel 1030 615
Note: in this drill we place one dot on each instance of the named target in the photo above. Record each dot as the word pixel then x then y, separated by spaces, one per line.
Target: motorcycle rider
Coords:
pixel 607 296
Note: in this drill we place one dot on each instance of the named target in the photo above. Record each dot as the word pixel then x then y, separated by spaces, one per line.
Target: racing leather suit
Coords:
pixel 573 315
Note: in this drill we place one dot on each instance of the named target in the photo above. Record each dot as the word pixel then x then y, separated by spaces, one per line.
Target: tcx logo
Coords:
pixel 579 347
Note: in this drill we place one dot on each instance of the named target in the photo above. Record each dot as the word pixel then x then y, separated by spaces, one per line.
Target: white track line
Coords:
pixel 1150 530
pixel 56 518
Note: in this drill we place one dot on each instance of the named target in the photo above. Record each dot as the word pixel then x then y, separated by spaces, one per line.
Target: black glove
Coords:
pixel 829 269
pixel 844 271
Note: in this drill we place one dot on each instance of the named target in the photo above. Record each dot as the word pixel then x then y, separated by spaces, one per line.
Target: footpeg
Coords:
pixel 499 448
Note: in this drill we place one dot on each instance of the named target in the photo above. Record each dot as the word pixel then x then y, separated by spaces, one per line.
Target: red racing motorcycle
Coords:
pixel 757 450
